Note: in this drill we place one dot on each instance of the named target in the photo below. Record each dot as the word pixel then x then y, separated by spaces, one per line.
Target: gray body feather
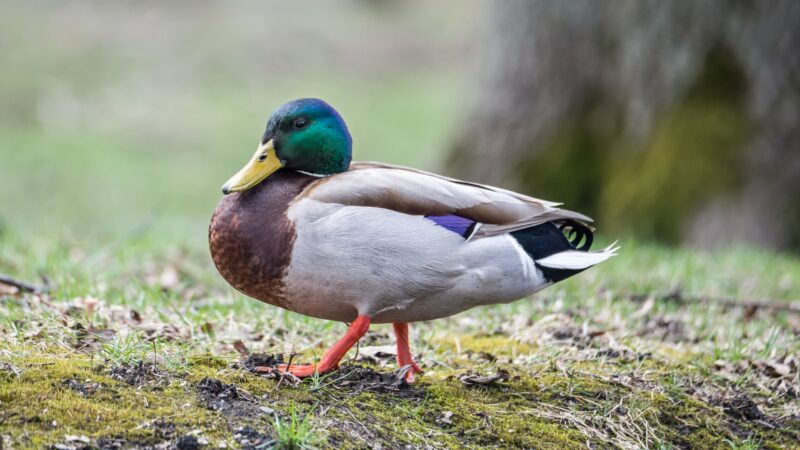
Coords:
pixel 363 246
pixel 350 260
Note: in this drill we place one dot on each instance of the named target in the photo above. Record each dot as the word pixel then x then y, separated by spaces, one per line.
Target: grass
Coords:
pixel 751 443
pixel 98 183
pixel 294 433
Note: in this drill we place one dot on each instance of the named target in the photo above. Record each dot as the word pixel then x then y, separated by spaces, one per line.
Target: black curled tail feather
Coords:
pixel 575 232
pixel 550 238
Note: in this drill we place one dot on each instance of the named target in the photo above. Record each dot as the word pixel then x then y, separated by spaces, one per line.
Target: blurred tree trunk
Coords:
pixel 676 119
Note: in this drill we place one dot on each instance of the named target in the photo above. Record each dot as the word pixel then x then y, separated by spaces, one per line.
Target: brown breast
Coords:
pixel 251 237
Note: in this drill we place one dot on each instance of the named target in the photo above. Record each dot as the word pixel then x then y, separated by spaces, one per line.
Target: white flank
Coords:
pixel 524 259
pixel 576 260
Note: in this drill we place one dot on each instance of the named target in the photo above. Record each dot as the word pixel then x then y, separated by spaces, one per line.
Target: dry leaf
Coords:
pixel 376 352
pixel 135 316
pixel 169 278
pixel 241 348
pixel 7 289
pixel 74 438
pixel 479 380
pixel 447 418
pixel 90 303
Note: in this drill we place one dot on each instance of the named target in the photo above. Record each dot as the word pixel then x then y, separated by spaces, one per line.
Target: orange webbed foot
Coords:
pixel 330 361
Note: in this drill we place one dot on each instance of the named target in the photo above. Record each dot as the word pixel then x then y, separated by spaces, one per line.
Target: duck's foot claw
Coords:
pixel 407 372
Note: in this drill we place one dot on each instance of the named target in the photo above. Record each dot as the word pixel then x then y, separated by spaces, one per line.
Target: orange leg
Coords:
pixel 404 357
pixel 330 360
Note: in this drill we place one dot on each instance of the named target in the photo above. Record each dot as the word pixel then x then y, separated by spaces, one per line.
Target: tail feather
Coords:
pixel 575 232
pixel 578 259
pixel 560 249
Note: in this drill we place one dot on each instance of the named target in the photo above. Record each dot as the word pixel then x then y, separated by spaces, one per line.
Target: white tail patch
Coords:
pixel 576 260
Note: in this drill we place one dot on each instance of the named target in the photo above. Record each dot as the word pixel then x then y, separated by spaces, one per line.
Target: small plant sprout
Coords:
pixel 124 349
pixel 751 443
pixel 296 434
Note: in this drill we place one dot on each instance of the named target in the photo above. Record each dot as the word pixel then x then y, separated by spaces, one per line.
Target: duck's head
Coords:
pixel 306 135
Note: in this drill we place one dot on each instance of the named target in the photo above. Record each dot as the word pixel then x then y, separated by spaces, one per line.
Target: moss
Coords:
pixel 498 415
pixel 451 415
pixel 40 407
pixel 541 405
pixel 209 361
pixel 494 344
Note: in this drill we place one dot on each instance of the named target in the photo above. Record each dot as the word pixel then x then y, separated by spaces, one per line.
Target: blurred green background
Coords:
pixel 118 116
pixel 673 122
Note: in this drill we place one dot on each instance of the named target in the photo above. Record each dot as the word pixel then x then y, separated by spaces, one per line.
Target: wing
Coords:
pixel 416 192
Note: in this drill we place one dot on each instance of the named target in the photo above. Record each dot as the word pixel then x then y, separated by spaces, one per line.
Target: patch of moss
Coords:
pixel 40 408
pixel 210 361
pixel 498 415
pixel 540 405
pixel 493 344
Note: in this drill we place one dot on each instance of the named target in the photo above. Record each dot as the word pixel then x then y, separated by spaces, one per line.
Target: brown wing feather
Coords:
pixel 417 192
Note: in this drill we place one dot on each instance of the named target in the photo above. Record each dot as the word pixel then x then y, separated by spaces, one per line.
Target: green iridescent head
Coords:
pixel 305 135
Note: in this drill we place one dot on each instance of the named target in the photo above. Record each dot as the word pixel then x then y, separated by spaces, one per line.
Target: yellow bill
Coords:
pixel 263 164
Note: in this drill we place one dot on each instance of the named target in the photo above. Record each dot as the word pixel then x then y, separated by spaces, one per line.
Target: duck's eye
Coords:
pixel 300 123
pixel 262 157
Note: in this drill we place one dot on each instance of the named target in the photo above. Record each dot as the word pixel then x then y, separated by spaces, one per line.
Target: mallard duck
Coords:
pixel 304 228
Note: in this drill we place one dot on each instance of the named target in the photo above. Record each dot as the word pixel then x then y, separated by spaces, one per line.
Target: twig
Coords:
pixel 726 302
pixel 358 349
pixel 287 373
pixel 22 286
